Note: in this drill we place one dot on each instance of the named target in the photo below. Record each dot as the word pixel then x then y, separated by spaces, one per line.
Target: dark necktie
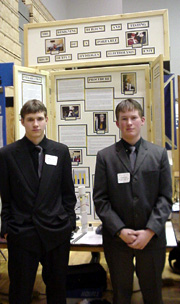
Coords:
pixel 132 156
pixel 40 159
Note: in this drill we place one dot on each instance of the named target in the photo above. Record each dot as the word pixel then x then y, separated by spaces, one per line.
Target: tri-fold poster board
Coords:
pixel 82 111
pixel 124 55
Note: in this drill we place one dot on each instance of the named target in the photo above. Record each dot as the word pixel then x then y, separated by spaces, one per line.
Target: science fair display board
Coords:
pixel 125 38
pixel 29 84
pixel 83 100
pixel 83 110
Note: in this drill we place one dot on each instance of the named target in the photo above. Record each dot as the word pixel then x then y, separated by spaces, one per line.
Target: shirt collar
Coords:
pixel 31 145
pixel 127 145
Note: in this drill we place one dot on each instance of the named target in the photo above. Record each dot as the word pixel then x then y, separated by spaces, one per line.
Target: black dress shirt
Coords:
pixel 127 146
pixel 34 151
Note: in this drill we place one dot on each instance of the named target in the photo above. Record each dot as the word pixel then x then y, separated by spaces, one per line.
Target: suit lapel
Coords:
pixel 25 164
pixel 121 152
pixel 142 153
pixel 47 172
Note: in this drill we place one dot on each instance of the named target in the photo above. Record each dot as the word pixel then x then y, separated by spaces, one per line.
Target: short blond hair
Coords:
pixel 128 105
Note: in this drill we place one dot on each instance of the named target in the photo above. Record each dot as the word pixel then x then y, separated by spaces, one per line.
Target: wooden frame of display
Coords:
pixel 103 40
pixel 29 77
pixel 170 137
pixel 158 109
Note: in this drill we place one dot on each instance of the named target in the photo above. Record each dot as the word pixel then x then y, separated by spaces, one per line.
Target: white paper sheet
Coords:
pixel 90 238
pixel 170 235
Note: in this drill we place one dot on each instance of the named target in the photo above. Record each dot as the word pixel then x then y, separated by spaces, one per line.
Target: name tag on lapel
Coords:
pixel 123 178
pixel 51 159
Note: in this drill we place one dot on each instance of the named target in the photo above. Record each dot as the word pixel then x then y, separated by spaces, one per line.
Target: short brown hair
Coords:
pixel 128 105
pixel 33 106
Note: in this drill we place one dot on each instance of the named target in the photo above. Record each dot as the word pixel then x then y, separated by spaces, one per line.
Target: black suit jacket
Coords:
pixel 27 203
pixel 143 201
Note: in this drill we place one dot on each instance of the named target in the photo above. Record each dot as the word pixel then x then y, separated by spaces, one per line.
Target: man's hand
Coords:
pixel 142 238
pixel 128 236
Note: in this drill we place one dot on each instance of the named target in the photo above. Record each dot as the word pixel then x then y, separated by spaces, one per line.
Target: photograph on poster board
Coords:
pixel 80 176
pixel 87 202
pixel 74 136
pixel 70 89
pixel 118 100
pixel 100 122
pixel 76 156
pixel 137 38
pixel 55 46
pixel 70 112
pixel 128 83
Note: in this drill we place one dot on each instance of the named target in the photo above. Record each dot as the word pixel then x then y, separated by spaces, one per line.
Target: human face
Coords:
pixel 35 124
pixel 130 125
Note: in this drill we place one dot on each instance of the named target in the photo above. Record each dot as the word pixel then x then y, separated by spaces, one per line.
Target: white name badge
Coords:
pixel 51 159
pixel 123 178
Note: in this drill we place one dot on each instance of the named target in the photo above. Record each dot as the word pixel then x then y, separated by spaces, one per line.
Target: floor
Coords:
pixel 171 282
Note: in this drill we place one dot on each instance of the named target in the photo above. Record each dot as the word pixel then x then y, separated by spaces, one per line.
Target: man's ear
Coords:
pixel 22 121
pixel 117 124
pixel 142 120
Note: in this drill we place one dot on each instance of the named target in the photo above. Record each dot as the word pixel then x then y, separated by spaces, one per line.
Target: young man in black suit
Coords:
pixel 133 204
pixel 37 208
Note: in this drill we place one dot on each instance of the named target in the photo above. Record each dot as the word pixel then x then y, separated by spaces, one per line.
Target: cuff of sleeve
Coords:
pixel 118 233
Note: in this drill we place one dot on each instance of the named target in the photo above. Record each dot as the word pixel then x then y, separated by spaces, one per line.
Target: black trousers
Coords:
pixel 22 267
pixel 147 263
